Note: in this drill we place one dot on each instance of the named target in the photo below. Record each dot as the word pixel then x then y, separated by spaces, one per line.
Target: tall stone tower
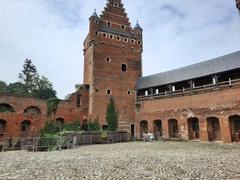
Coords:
pixel 238 4
pixel 113 64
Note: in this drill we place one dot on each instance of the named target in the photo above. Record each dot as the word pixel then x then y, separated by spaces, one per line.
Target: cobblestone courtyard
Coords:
pixel 157 160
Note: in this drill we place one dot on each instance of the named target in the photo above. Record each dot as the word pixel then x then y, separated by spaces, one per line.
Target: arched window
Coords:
pixel 32 110
pixel 6 108
pixel 25 126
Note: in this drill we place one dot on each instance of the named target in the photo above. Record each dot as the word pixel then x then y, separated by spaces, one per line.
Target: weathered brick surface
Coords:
pixel 221 104
pixel 67 110
pixel 14 120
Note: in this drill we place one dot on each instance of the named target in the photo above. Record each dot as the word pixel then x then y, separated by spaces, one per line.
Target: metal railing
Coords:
pixel 196 89
pixel 68 141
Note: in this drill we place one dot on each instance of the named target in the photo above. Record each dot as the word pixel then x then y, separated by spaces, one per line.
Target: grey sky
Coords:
pixel 51 33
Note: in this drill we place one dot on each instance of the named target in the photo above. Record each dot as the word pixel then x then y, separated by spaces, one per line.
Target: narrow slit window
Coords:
pixel 108 59
pixel 109 92
pixel 78 100
pixel 124 67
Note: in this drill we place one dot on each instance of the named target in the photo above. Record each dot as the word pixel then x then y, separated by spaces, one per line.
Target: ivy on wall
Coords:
pixel 52 106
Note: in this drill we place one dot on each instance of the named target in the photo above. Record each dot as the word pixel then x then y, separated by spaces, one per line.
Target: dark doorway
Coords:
pixel 132 131
pixel 2 127
pixel 234 122
pixel 143 128
pixel 213 127
pixel 59 124
pixel 104 127
pixel 193 128
pixel 25 128
pixel 85 125
pixel 173 128
pixel 157 126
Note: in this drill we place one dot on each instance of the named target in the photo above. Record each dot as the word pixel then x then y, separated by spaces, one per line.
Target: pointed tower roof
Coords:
pixel 137 26
pixel 95 14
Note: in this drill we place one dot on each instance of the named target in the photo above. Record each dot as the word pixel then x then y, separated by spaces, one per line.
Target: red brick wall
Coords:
pixel 220 104
pixel 67 110
pixel 14 120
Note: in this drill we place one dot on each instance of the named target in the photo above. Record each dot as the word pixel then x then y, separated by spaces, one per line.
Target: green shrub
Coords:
pixel 49 129
pixel 75 126
pixel 112 116
pixel 94 126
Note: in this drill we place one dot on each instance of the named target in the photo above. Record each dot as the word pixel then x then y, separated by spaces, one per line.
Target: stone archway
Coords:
pixel 234 122
pixel 157 128
pixel 193 128
pixel 173 128
pixel 143 128
pixel 213 128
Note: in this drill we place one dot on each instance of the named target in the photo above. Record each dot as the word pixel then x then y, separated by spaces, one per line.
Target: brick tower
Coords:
pixel 238 4
pixel 113 64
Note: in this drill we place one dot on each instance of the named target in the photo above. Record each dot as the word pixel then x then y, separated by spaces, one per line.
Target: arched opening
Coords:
pixel 59 124
pixel 143 128
pixel 214 130
pixel 234 122
pixel 32 110
pixel 173 128
pixel 193 128
pixel 157 127
pixel 6 108
pixel 26 126
pixel 2 126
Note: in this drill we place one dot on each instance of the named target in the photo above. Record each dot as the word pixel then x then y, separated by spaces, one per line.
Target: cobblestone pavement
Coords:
pixel 140 160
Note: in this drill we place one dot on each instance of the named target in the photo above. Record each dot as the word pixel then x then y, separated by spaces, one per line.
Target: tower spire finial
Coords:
pixel 137 26
pixel 95 13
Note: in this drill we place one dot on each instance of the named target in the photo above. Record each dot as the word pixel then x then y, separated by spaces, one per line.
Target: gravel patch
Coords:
pixel 139 160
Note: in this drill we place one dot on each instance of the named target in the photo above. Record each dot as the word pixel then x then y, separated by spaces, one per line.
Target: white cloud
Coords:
pixel 51 33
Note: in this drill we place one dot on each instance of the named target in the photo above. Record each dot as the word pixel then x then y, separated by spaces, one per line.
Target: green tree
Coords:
pixel 112 116
pixel 36 86
pixel 3 87
pixel 28 75
pixel 17 88
pixel 44 89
